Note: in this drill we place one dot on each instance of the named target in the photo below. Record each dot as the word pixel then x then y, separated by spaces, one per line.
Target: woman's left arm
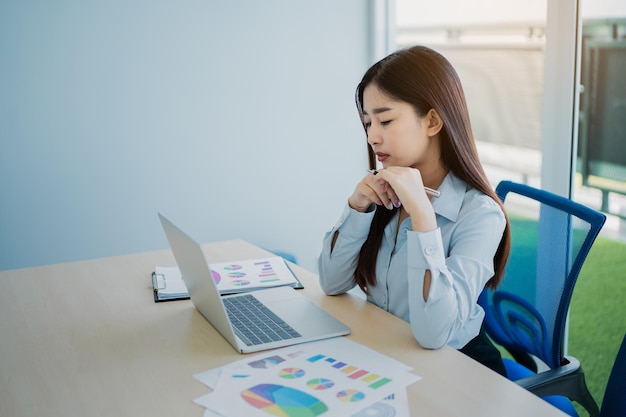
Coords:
pixel 458 273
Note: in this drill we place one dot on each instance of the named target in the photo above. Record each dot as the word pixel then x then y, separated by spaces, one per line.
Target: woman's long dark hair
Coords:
pixel 426 80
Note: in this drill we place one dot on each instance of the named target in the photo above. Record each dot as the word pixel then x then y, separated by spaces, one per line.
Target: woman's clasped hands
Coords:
pixel 390 187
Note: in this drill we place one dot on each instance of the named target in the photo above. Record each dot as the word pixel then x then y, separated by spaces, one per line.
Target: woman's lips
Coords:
pixel 381 156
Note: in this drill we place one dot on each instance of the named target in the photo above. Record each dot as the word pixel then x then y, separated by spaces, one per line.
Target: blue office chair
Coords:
pixel 286 255
pixel 551 237
pixel 614 401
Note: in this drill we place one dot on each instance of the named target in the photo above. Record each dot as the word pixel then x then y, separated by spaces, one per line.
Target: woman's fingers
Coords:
pixel 368 191
pixel 386 195
pixel 374 189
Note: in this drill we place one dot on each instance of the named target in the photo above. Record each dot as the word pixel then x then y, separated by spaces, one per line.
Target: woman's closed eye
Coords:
pixel 382 123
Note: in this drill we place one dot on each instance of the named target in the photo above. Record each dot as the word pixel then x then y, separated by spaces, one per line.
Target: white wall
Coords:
pixel 236 119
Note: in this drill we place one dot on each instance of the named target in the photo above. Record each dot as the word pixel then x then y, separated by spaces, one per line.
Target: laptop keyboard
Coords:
pixel 254 323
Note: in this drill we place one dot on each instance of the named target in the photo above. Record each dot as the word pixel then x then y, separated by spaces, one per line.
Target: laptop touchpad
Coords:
pixel 298 310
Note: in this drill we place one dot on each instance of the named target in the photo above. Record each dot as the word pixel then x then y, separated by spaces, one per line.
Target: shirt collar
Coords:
pixel 449 203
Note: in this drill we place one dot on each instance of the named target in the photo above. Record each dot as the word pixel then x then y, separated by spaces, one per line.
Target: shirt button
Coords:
pixel 430 250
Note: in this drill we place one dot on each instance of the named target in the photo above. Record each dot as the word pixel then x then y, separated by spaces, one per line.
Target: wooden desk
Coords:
pixel 87 339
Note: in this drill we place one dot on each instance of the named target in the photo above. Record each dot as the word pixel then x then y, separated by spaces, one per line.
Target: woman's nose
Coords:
pixel 373 135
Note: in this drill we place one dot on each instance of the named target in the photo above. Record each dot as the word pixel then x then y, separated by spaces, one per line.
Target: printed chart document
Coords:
pixel 333 377
pixel 230 277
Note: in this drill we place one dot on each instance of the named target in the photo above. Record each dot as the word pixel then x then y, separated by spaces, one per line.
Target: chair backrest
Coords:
pixel 551 237
pixel 614 402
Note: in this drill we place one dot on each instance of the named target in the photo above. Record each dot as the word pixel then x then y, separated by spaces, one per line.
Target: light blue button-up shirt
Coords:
pixel 459 255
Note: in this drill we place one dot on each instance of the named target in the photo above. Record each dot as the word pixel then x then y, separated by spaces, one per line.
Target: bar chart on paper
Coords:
pixel 373 380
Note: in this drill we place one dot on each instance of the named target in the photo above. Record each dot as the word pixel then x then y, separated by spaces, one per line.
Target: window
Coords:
pixel 551 116
pixel 500 59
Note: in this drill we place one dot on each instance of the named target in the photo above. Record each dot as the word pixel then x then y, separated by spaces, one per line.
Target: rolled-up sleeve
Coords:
pixel 337 265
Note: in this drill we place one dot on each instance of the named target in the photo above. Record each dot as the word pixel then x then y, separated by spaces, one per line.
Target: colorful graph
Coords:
pixel 266 362
pixel 283 401
pixel 371 379
pixel 216 277
pixel 236 274
pixel 232 267
pixel 239 283
pixel 350 395
pixel 267 270
pixel 291 373
pixel 320 384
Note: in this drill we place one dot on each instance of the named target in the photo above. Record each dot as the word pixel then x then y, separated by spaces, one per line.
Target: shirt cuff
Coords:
pixel 426 250
pixel 354 223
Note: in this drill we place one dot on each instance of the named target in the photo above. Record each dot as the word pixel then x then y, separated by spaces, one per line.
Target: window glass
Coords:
pixel 598 311
pixel 498 49
pixel 601 162
pixel 499 56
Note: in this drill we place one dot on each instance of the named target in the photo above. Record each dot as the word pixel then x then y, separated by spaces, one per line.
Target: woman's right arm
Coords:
pixel 340 251
pixel 342 244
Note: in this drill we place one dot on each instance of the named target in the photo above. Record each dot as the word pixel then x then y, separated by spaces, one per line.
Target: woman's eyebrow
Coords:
pixel 378 110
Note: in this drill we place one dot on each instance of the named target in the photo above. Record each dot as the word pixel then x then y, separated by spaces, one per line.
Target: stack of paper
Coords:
pixel 333 377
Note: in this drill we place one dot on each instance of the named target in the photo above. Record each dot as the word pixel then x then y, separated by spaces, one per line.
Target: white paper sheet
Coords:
pixel 330 377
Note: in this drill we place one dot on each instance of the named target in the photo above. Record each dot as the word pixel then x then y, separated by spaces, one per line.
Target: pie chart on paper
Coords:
pixel 216 277
pixel 291 373
pixel 319 384
pixel 350 395
pixel 282 401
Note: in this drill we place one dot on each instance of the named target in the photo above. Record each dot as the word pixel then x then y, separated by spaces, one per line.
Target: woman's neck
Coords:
pixel 433 175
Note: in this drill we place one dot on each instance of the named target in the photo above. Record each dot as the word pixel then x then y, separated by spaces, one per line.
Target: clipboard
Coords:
pixel 231 278
pixel 168 284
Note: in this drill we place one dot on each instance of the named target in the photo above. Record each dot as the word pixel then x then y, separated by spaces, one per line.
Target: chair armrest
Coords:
pixel 568 380
pixel 550 382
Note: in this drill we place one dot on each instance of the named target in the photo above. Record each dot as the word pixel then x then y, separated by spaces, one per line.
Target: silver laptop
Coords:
pixel 293 318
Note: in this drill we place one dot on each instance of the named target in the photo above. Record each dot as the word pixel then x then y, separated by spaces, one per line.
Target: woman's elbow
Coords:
pixel 430 337
pixel 328 290
pixel 334 292
pixel 433 343
pixel 332 287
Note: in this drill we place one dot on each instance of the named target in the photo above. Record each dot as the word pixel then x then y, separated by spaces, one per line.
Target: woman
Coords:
pixel 425 259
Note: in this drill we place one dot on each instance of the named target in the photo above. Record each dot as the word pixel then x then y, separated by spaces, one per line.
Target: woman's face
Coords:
pixel 397 135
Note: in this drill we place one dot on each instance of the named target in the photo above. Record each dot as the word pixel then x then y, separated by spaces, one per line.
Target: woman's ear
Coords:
pixel 434 122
